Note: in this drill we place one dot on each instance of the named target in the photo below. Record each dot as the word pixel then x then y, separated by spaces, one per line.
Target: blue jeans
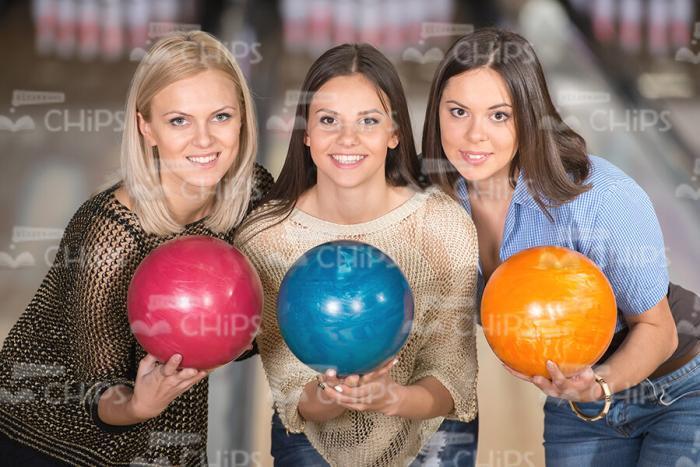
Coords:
pixel 453 445
pixel 292 449
pixel 655 423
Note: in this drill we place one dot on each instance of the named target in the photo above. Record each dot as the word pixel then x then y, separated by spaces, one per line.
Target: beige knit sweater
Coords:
pixel 433 241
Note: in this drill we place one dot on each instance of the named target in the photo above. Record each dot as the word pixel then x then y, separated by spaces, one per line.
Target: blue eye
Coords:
pixel 178 121
pixel 501 116
pixel 458 112
pixel 369 121
pixel 222 117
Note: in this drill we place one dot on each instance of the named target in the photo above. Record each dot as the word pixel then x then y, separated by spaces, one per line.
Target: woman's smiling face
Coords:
pixel 476 125
pixel 349 132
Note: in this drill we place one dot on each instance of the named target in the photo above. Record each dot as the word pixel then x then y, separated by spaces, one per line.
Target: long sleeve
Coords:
pixel 262 182
pixel 448 330
pixel 287 376
pixel 106 261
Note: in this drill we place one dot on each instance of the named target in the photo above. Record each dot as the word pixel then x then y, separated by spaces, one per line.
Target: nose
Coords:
pixel 475 130
pixel 348 135
pixel 202 137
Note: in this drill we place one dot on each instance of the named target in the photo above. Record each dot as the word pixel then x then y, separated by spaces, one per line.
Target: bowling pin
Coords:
pixel 66 39
pixel 89 29
pixel 112 32
pixel 392 40
pixel 320 27
pixel 343 22
pixel 682 15
pixel 44 14
pixel 604 20
pixel 294 18
pixel 137 15
pixel 658 27
pixel 631 25
pixel 370 23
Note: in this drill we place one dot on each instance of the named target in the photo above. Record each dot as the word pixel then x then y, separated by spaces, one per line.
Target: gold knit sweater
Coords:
pixel 433 241
pixel 73 341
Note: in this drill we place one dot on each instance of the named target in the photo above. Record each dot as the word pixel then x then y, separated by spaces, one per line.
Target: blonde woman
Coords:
pixel 75 386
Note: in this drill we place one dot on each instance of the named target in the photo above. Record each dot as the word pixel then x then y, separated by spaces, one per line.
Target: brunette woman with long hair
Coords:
pixel 352 172
pixel 495 142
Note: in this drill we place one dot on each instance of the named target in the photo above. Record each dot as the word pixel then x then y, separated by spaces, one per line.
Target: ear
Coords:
pixel 145 130
pixel 307 140
pixel 393 141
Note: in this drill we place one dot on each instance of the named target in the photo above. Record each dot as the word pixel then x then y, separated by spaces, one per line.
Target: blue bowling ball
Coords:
pixel 345 305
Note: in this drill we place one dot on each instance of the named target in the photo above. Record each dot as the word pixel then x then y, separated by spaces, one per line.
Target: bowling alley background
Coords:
pixel 624 73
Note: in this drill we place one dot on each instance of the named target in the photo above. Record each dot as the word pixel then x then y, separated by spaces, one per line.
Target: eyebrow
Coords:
pixel 502 104
pixel 188 115
pixel 364 112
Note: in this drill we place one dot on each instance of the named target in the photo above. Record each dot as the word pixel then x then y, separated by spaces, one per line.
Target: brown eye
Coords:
pixel 501 116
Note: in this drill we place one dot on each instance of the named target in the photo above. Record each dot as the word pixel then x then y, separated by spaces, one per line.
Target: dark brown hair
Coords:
pixel 552 155
pixel 299 171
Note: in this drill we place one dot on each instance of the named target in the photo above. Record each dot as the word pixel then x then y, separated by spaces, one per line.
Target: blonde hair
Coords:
pixel 174 57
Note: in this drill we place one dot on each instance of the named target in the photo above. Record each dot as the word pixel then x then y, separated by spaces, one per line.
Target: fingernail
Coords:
pixel 550 363
pixel 338 389
pixel 396 360
pixel 331 373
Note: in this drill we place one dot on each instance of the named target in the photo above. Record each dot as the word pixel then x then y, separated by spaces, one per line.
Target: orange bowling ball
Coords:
pixel 548 303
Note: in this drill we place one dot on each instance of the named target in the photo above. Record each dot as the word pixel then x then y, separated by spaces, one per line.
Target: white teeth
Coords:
pixel 347 158
pixel 203 159
pixel 476 157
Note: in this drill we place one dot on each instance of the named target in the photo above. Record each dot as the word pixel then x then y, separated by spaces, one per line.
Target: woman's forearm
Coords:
pixel 115 408
pixel 646 347
pixel 425 399
pixel 313 406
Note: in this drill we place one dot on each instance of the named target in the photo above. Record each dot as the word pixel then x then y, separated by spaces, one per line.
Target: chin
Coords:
pixel 347 182
pixel 204 182
pixel 473 174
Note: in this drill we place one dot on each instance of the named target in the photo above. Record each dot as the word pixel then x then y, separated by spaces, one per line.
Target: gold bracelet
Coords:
pixel 606 408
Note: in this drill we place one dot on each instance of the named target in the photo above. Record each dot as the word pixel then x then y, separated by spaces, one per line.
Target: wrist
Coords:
pixel 606 407
pixel 395 400
pixel 136 411
pixel 314 395
pixel 594 393
pixel 599 393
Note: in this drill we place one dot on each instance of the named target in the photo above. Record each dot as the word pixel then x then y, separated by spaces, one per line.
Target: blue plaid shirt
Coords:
pixel 613 224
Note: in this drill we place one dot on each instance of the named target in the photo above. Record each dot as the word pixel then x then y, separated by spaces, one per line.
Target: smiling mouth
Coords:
pixel 348 160
pixel 475 156
pixel 204 159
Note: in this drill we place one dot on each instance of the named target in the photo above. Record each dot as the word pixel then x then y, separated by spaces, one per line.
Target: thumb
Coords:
pixel 147 364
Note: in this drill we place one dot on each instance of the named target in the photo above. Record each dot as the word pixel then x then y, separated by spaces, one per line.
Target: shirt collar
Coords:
pixel 521 195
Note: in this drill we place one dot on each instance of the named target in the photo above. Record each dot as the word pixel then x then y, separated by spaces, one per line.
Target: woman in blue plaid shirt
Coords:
pixel 493 139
